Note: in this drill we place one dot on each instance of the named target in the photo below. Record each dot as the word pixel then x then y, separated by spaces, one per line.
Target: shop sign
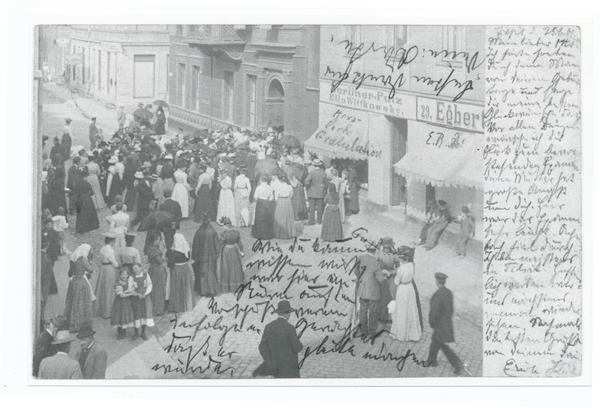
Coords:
pixel 111 46
pixel 450 114
pixel 74 59
pixel 369 99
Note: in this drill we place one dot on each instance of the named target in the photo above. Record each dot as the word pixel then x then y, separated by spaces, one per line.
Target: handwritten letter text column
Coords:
pixel 532 233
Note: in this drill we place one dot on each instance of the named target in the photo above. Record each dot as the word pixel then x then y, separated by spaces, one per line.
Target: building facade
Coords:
pixel 246 76
pixel 119 64
pixel 407 107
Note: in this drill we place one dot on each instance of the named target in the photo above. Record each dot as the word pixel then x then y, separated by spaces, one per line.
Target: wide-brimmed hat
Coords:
pixel 60 322
pixel 113 160
pixel 317 162
pixel 87 332
pixel 139 175
pixel 168 157
pixel 387 242
pixel 63 336
pixel 284 307
pixel 146 165
pixel 110 235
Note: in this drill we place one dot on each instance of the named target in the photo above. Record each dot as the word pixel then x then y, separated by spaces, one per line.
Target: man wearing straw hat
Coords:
pixel 280 346
pixel 60 366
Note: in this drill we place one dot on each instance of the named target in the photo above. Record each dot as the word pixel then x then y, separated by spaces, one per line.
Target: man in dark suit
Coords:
pixel 145 195
pixel 43 344
pixel 368 290
pixel 279 346
pixel 440 320
pixel 93 134
pixel 60 366
pixel 171 206
pixel 316 187
pixel 91 357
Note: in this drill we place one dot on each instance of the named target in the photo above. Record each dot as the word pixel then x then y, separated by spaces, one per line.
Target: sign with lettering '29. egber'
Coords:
pixel 451 114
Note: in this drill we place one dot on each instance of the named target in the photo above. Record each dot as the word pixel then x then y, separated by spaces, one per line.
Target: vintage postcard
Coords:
pixel 252 203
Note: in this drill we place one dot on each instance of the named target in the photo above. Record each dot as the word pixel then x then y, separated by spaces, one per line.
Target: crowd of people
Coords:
pixel 237 179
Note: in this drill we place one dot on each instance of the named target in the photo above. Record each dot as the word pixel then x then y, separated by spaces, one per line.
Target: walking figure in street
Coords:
pixel 279 346
pixel 440 320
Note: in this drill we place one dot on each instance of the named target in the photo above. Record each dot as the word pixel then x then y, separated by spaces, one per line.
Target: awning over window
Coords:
pixel 343 135
pixel 443 158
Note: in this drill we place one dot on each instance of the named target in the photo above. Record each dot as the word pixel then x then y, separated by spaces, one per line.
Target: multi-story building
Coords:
pixel 248 76
pixel 54 50
pixel 119 64
pixel 405 104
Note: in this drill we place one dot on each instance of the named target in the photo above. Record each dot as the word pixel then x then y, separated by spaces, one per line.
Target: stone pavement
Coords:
pixel 224 332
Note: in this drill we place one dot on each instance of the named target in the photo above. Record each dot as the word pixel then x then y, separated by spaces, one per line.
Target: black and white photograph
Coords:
pixel 306 201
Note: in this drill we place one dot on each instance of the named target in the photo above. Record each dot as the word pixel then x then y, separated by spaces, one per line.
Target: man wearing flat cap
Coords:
pixel 60 366
pixel 279 346
pixel 440 320
pixel 91 357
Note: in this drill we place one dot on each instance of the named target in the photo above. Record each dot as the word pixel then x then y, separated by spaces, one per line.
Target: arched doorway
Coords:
pixel 274 104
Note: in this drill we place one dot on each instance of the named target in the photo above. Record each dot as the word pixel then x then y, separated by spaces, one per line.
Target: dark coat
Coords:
pixel 440 315
pixel 316 184
pixel 368 271
pixel 43 349
pixel 279 347
pixel 95 363
pixel 65 144
pixel 250 162
pixel 467 226
pixel 145 194
pixel 173 207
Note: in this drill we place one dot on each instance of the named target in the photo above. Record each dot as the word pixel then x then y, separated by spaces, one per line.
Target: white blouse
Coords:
pixel 263 192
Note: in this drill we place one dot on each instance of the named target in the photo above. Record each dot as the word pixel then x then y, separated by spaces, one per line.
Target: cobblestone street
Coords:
pixel 220 337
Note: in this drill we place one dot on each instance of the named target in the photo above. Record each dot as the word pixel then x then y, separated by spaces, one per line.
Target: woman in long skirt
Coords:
pixel 298 199
pixel 158 275
pixel 205 253
pixel 242 190
pixel 121 315
pixel 332 224
pixel 204 201
pixel 181 191
pixel 353 186
pixel 407 321
pixel 87 218
pixel 119 224
pixel 94 172
pixel 181 298
pixel 78 306
pixel 141 302
pixel 343 191
pixel 56 191
pixel 105 288
pixel 113 181
pixel 226 207
pixel 284 226
pixel 232 271
pixel 262 227
pixel 388 262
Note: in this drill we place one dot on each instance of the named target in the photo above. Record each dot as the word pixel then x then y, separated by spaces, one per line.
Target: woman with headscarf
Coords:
pixel 407 320
pixel 284 226
pixel 232 271
pixel 78 307
pixel 105 288
pixel 242 190
pixel 204 201
pixel 181 298
pixel 181 191
pixel 332 223
pixel 94 172
pixel 205 253
pixel 262 227
pixel 226 207
pixel 87 218
pixel 113 181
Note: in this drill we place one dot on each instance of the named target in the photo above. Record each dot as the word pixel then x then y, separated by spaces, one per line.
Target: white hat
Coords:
pixel 139 175
pixel 113 160
pixel 169 157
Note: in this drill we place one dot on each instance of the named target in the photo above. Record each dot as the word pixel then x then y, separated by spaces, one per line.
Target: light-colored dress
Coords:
pixel 119 224
pixel 242 201
pixel 181 192
pixel 105 289
pixel 284 226
pixel 92 178
pixel 405 315
pixel 226 206
pixel 343 190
